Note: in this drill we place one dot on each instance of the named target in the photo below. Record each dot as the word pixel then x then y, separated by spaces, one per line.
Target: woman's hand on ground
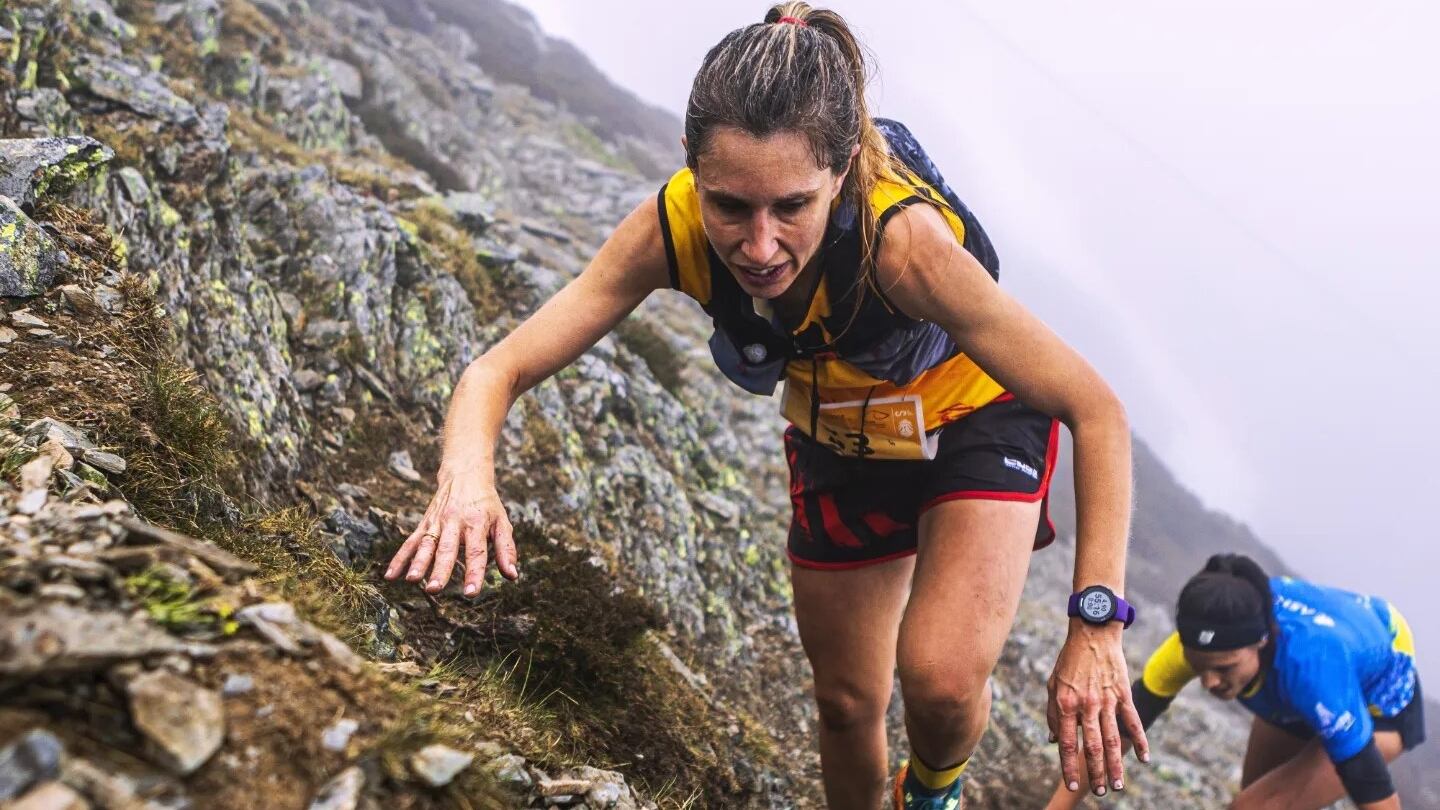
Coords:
pixel 465 512
pixel 1090 687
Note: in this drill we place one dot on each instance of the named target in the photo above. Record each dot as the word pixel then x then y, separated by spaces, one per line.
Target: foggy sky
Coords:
pixel 1228 208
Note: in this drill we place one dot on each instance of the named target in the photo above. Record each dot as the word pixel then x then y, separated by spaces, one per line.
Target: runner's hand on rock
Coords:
pixel 1091 687
pixel 465 512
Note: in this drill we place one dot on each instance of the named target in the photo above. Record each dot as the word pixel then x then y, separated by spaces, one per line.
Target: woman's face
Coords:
pixel 1226 674
pixel 765 205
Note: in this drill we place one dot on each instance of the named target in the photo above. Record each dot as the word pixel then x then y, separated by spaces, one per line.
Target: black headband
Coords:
pixel 1201 634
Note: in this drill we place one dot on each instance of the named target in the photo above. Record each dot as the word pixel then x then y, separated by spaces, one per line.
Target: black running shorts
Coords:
pixel 851 512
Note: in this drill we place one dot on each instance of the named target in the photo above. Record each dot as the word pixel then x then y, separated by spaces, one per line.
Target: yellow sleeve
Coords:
pixel 1167 671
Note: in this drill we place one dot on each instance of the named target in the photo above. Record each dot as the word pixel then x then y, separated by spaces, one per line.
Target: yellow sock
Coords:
pixel 933 779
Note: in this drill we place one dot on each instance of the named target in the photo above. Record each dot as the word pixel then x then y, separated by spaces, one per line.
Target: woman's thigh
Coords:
pixel 969 573
pixel 848 621
pixel 1308 780
pixel 1270 747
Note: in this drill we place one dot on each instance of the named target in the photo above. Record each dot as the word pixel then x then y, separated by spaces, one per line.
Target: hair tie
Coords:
pixel 793 21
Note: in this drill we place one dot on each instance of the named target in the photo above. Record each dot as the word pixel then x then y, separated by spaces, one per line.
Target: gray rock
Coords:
pixel 237 684
pixel 108 462
pixel 474 211
pixel 55 638
pixel 112 791
pixel 132 86
pixel 50 796
pixel 403 467
pixel 33 168
pixel 217 558
pixel 510 770
pixel 338 735
pixel 100 17
pixel 7 335
pixel 347 77
pixel 437 765
pixel 183 723
pixel 307 380
pixel 32 759
pixel 136 189
pixel 29 258
pixel 47 110
pixel 201 18
pixel 341 793
pixel 71 438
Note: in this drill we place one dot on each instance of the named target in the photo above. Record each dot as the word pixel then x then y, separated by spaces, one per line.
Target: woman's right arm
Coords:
pixel 466 511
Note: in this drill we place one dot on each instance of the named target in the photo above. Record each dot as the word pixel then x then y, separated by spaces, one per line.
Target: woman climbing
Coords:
pixel 921 400
pixel 1329 675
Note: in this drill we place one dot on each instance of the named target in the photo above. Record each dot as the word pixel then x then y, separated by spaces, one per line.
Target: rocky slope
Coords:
pixel 246 248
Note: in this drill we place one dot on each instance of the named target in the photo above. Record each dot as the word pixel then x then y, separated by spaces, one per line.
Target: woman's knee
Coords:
pixel 956 693
pixel 847 706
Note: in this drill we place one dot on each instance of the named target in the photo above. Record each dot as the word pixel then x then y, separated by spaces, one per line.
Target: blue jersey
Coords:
pixel 1341 660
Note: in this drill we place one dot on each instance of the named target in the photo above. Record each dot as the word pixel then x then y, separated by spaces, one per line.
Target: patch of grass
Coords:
pixel 449 246
pixel 177 605
pixel 641 337
pixel 296 562
pixel 565 660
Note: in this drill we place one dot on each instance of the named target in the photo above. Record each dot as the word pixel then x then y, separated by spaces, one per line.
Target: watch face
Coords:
pixel 1096 606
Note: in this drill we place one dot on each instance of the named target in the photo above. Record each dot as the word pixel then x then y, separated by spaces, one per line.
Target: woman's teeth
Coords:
pixel 765 273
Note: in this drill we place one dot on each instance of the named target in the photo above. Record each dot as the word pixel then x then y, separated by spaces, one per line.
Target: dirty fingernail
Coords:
pixel 1119 785
pixel 1074 785
pixel 1100 791
pixel 470 590
pixel 1145 757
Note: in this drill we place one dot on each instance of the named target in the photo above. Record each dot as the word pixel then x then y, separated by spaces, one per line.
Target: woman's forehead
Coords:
pixel 740 165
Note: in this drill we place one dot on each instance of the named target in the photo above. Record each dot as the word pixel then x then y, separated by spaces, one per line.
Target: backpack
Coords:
pixel 904 146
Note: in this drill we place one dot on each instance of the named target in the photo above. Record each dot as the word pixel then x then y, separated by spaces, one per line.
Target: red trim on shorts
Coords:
pixel 1051 452
pixel 834 526
pixel 846 566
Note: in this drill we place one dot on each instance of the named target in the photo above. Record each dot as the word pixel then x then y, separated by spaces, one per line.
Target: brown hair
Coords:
pixel 807 77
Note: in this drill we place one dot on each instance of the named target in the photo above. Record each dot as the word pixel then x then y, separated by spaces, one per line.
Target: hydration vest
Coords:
pixel 855 361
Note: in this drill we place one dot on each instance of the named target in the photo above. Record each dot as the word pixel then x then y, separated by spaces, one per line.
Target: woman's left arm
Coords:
pixel 925 273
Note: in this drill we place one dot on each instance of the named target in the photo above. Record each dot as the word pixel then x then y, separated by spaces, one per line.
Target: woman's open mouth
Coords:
pixel 763 275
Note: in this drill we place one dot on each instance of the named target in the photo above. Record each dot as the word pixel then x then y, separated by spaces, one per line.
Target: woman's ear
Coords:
pixel 689 158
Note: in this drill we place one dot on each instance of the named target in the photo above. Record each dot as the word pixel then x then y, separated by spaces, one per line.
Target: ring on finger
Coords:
pixel 429 535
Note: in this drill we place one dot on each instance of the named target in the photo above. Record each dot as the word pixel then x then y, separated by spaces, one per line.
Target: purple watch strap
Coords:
pixel 1124 611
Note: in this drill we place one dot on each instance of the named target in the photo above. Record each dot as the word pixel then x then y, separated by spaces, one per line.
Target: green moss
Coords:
pixel 176 604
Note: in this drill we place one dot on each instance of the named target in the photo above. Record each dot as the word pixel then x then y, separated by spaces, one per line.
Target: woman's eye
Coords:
pixel 730 207
pixel 790 207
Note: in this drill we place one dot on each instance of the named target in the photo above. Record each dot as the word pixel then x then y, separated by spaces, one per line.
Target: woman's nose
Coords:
pixel 760 245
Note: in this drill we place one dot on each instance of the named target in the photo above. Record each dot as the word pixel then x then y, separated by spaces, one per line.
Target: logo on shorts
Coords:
pixel 1324 620
pixel 907 428
pixel 1205 637
pixel 1022 467
pixel 756 353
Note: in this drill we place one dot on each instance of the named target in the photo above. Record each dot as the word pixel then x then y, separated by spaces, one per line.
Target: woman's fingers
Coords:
pixel 1065 731
pixel 445 552
pixel 505 553
pixel 1134 729
pixel 424 554
pixel 1114 747
pixel 407 550
pixel 1094 748
pixel 477 537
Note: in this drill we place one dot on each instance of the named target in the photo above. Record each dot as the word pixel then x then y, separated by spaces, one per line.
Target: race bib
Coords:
pixel 885 428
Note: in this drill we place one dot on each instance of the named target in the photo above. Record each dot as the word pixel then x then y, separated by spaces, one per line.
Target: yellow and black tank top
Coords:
pixel 885 382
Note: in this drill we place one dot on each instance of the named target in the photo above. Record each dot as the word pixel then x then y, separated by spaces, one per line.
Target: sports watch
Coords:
pixel 1098 604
